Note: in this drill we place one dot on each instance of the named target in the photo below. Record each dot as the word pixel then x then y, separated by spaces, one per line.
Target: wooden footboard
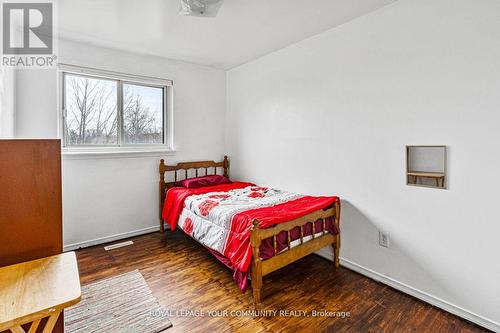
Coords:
pixel 261 267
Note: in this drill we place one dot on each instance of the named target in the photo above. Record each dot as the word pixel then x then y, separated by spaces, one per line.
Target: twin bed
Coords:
pixel 253 230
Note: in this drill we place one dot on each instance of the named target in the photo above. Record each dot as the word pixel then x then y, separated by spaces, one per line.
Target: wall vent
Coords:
pixel 118 245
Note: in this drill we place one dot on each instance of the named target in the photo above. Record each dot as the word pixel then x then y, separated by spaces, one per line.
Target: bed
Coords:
pixel 252 230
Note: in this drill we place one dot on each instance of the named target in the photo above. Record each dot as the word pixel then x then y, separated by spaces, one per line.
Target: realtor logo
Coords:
pixel 27 38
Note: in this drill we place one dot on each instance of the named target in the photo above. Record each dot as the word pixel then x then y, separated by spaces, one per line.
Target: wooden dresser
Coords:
pixel 30 202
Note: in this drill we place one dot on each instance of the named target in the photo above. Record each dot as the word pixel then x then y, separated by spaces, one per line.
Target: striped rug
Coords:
pixel 120 304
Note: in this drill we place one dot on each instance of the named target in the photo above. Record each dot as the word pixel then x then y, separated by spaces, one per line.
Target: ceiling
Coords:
pixel 242 31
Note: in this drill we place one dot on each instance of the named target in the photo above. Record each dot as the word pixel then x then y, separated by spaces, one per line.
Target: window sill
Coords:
pixel 118 152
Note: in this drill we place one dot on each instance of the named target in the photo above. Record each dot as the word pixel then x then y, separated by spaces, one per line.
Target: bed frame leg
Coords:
pixel 256 295
pixel 336 251
pixel 256 271
pixel 256 287
pixel 256 264
pixel 336 245
pixel 162 226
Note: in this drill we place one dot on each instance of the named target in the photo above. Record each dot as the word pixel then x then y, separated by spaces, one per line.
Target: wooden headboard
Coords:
pixel 183 169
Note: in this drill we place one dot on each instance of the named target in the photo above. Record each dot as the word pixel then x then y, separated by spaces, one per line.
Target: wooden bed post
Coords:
pixel 336 245
pixel 256 264
pixel 162 195
pixel 226 167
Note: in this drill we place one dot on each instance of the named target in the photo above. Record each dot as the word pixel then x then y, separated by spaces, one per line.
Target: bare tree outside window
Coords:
pixel 142 114
pixel 91 116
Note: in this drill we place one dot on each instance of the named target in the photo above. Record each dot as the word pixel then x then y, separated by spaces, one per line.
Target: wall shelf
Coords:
pixel 426 166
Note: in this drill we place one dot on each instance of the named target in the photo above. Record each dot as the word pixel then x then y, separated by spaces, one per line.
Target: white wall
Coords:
pixel 7 102
pixel 332 115
pixel 103 197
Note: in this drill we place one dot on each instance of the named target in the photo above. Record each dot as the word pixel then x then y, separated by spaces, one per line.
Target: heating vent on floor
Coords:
pixel 117 245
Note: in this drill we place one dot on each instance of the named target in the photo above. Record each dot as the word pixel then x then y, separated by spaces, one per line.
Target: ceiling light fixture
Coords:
pixel 200 8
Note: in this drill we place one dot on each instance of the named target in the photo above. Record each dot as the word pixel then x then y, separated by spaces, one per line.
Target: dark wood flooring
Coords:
pixel 185 277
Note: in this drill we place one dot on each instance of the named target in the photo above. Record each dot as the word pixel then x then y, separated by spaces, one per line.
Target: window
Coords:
pixel 91 111
pixel 142 114
pixel 103 109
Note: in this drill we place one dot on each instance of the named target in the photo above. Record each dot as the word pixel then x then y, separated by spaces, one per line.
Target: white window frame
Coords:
pixel 120 78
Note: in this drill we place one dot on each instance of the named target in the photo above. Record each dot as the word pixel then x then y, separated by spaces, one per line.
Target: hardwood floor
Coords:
pixel 185 277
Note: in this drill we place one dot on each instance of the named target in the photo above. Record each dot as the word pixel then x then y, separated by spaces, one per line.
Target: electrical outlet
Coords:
pixel 383 239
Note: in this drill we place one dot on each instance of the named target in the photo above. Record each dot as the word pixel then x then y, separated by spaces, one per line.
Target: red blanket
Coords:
pixel 174 202
pixel 237 245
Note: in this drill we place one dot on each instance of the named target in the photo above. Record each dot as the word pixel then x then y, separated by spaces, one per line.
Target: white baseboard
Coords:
pixel 107 239
pixel 442 304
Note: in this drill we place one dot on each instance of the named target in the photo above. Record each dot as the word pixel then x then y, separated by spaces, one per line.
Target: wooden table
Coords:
pixel 37 289
pixel 438 176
